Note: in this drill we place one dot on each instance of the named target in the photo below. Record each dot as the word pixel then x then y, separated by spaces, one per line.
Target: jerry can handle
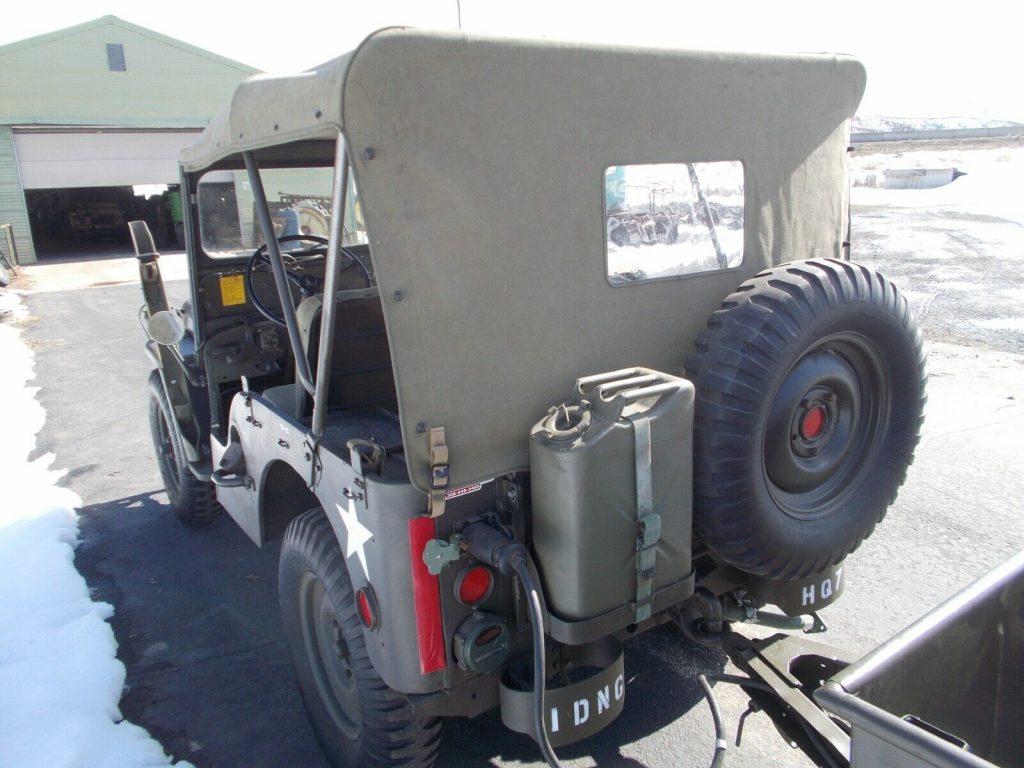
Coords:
pixel 614 390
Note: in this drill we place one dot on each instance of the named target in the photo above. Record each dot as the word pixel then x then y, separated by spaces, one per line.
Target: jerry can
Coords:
pixel 612 485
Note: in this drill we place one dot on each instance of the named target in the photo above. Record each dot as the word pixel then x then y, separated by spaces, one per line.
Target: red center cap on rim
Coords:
pixel 813 422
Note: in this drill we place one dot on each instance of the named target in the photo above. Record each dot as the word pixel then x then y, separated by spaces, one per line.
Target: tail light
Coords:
pixel 473 585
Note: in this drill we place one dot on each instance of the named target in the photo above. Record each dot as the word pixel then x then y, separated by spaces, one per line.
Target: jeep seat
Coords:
pixel 361 371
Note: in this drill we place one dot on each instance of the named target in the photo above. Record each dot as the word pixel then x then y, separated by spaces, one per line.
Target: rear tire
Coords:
pixel 194 501
pixel 359 721
pixel 810 388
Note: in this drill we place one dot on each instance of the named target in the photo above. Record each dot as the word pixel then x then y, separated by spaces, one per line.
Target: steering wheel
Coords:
pixel 308 285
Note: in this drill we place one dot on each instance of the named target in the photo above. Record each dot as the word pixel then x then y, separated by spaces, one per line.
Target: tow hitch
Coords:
pixel 784 671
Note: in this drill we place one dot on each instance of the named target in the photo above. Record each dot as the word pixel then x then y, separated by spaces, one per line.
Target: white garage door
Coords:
pixel 58 159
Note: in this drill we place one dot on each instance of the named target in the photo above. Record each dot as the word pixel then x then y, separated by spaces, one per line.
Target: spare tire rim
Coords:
pixel 329 658
pixel 825 424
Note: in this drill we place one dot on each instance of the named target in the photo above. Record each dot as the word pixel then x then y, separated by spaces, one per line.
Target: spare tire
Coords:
pixel 810 385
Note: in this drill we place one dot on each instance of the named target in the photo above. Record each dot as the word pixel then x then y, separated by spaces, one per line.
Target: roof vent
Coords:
pixel 115 57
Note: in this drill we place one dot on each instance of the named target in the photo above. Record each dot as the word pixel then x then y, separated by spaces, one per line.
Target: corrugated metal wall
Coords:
pixel 12 199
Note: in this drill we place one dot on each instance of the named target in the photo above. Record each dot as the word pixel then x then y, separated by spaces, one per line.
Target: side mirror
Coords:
pixel 142 240
pixel 166 328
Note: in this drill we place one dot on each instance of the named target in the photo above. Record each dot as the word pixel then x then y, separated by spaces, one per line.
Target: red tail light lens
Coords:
pixel 473 585
pixel 366 607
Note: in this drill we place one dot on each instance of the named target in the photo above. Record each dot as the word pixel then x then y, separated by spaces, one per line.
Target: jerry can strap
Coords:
pixel 648 523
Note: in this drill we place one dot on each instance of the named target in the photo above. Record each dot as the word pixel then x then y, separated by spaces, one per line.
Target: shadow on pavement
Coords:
pixel 209 673
pixel 197 625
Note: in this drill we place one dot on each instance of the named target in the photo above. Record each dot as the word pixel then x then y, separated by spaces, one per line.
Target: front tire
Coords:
pixel 359 721
pixel 194 501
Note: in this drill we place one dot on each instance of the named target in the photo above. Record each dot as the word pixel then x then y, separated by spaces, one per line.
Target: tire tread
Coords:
pixel 391 736
pixel 730 368
pixel 195 501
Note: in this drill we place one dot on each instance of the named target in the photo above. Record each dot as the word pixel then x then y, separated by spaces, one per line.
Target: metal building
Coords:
pixel 91 118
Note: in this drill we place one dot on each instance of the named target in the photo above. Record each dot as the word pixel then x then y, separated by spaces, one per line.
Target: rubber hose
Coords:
pixel 721 738
pixel 539 664
pixel 742 682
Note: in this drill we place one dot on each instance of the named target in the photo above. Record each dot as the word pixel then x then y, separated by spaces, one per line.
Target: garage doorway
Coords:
pixel 92 222
pixel 83 186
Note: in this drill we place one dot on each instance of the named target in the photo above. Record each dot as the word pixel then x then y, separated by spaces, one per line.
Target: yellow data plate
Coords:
pixel 232 290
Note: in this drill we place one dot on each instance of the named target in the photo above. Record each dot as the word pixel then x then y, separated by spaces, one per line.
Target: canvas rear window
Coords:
pixel 669 220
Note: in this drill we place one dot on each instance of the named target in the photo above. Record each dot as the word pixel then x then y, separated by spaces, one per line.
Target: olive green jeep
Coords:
pixel 524 348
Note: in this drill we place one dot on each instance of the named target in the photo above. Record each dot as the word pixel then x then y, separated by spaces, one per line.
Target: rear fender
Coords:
pixel 369 515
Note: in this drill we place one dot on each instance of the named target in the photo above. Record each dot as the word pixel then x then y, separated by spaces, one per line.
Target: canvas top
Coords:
pixel 485 201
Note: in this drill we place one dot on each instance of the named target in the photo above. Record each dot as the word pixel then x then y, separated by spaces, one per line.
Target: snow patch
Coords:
pixel 887 123
pixel 960 246
pixel 60 680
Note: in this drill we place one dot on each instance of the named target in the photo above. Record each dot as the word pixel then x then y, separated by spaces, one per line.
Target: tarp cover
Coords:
pixel 484 203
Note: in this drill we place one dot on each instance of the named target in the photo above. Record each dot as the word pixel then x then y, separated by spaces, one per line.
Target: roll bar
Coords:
pixel 332 274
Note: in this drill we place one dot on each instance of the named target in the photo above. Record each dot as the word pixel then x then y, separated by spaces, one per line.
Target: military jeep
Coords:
pixel 581 352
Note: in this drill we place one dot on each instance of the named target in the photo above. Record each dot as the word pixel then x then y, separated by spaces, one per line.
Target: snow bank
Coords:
pixel 60 681
pixel 992 186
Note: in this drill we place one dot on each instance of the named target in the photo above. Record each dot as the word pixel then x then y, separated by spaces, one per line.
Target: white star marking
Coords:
pixel 357 534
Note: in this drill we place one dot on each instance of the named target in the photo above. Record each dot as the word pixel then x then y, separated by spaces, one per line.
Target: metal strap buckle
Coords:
pixel 438 476
pixel 648 531
pixel 439 472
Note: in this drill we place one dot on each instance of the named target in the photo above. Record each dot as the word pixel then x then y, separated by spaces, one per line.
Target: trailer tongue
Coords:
pixel 946 692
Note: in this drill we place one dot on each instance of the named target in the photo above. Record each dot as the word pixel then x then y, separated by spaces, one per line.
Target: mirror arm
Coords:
pixel 280 276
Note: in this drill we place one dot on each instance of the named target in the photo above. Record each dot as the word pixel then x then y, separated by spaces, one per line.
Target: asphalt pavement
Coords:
pixel 196 612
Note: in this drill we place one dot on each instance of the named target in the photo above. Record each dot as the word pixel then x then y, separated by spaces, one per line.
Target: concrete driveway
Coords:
pixel 196 615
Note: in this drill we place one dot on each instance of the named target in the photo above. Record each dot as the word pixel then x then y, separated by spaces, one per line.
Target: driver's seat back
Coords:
pixel 361 371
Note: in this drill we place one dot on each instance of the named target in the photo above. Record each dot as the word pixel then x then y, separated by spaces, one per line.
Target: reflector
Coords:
pixel 366 607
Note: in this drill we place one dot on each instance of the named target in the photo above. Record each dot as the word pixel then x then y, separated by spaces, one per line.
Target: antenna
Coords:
pixel 458 8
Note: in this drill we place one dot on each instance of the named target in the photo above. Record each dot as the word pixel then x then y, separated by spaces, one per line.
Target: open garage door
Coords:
pixel 63 159
pixel 83 186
